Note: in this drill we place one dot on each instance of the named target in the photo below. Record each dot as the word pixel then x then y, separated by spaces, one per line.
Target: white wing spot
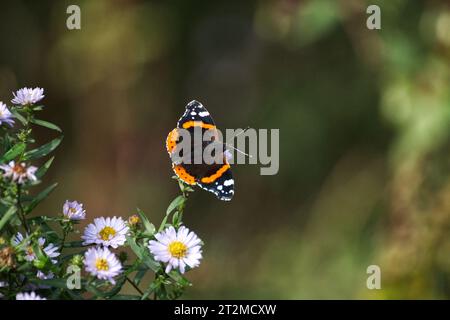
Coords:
pixel 219 187
pixel 203 114
pixel 227 183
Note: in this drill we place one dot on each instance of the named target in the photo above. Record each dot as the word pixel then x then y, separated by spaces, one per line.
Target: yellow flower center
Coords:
pixel 177 249
pixel 106 232
pixel 102 264
pixel 30 250
pixel 73 210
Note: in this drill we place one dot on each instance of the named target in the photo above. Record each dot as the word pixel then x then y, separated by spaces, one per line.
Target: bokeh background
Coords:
pixel 364 119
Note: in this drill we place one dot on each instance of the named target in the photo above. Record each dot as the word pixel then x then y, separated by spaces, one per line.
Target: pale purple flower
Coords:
pixel 5 115
pixel 19 172
pixel 73 210
pixel 106 231
pixel 43 276
pixel 28 96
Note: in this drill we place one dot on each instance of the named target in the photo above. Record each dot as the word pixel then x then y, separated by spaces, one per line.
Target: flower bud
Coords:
pixel 77 260
pixel 134 220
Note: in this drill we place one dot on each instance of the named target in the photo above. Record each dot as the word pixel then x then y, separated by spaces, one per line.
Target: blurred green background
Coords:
pixel 364 119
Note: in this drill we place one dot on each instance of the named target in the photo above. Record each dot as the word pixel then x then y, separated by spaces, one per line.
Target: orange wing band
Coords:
pixel 189 124
pixel 171 141
pixel 183 175
pixel 216 175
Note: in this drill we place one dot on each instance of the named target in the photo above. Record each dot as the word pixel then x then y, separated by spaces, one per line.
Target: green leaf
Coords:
pixel 139 276
pixel 55 283
pixel 43 150
pixel 8 215
pixel 14 152
pixel 174 204
pixel 151 288
pixel 46 124
pixel 136 249
pixel 19 117
pixel 177 277
pixel 141 253
pixel 149 227
pixel 151 263
pixel 94 286
pixel 38 108
pixel 163 223
pixel 41 196
pixel 42 170
pixel 41 259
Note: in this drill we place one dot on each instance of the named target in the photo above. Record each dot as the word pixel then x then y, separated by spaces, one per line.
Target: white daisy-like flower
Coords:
pixel 51 250
pixel 19 172
pixel 73 210
pixel 5 115
pixel 177 248
pixel 102 263
pixel 29 296
pixel 28 96
pixel 107 232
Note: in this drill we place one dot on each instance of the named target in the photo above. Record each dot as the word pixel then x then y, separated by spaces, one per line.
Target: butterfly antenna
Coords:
pixel 243 131
pixel 240 151
pixel 232 147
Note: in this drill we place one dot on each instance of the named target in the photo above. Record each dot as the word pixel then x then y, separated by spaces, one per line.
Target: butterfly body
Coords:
pixel 215 177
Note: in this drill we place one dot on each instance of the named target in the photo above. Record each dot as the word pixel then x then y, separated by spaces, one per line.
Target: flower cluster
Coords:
pixel 38 253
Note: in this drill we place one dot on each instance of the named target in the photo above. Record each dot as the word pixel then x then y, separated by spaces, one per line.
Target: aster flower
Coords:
pixel 102 263
pixel 29 296
pixel 43 276
pixel 73 210
pixel 176 248
pixel 28 96
pixel 5 115
pixel 19 172
pixel 50 250
pixel 107 232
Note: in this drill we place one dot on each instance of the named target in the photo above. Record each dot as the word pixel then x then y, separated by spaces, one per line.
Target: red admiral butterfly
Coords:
pixel 215 177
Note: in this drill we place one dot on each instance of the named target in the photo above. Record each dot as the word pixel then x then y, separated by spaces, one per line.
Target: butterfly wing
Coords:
pixel 196 115
pixel 220 182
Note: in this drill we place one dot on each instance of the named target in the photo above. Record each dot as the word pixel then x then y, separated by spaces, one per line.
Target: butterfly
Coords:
pixel 215 177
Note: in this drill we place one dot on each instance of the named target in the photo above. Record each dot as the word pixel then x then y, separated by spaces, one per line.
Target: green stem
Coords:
pixel 135 286
pixel 21 211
